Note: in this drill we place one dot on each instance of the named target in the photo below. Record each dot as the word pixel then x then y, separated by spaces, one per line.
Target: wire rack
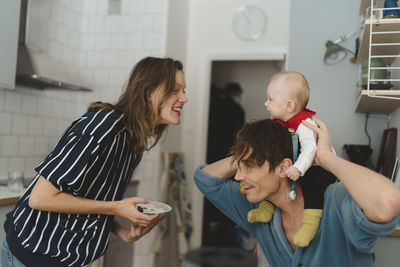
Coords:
pixel 376 48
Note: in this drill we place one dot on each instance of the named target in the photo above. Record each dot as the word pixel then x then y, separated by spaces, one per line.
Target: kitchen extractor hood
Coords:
pixel 36 68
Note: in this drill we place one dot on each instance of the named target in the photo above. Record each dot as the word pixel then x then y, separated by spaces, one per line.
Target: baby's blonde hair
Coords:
pixel 297 84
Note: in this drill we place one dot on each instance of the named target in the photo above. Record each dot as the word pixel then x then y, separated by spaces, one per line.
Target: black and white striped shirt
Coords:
pixel 93 160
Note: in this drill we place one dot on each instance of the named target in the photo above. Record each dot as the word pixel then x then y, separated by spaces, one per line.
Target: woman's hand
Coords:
pixel 324 146
pixel 126 208
pixel 136 231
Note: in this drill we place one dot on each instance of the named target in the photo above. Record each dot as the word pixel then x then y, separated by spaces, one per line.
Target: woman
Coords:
pixel 65 216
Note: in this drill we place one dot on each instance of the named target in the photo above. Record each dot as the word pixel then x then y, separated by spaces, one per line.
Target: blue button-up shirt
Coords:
pixel 346 237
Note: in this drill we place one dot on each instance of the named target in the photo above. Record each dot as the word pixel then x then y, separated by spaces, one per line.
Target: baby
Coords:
pixel 287 98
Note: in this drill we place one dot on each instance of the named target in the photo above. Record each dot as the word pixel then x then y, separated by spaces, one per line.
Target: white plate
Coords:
pixel 154 207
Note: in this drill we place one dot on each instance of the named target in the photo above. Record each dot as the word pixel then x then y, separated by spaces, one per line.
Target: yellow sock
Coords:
pixel 309 227
pixel 262 214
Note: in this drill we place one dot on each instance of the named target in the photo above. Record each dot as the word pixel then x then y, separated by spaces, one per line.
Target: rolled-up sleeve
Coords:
pixel 66 164
pixel 362 232
pixel 225 195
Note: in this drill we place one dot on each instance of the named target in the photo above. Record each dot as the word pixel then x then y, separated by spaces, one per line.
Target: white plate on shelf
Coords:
pixel 153 207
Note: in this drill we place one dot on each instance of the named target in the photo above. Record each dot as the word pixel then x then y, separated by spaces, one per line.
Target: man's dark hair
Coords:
pixel 262 140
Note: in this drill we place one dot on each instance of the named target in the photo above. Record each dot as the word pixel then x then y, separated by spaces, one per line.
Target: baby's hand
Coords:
pixel 293 173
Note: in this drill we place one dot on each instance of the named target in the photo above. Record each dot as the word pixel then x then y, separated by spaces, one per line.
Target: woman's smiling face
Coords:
pixel 170 112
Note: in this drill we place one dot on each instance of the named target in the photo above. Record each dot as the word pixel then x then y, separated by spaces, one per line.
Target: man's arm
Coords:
pixel 376 195
pixel 223 168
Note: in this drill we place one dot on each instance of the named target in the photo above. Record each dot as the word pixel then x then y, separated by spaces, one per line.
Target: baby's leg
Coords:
pixel 263 213
pixel 313 184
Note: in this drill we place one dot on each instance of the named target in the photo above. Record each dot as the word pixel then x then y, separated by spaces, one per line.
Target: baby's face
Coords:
pixel 277 100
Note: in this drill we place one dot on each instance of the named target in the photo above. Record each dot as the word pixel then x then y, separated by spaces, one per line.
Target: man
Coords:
pixel 362 206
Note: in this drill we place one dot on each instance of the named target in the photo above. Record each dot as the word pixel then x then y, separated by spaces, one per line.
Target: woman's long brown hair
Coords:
pixel 140 118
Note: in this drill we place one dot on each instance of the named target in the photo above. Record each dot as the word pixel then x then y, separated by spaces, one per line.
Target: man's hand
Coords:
pixel 324 145
pixel 293 173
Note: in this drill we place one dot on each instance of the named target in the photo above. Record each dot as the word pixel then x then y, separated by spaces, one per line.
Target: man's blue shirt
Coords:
pixel 346 237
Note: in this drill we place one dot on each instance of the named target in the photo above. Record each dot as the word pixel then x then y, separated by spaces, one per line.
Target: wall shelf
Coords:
pixel 367 104
pixel 380 25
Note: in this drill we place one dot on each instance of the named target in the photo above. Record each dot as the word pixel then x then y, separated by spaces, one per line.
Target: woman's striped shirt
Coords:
pixel 93 160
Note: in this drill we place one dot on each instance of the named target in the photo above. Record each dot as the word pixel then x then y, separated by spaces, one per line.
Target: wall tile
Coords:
pixel 29 104
pixel 112 24
pixel 119 42
pixel 109 60
pixel 57 108
pixel 117 78
pixel 9 145
pixel 26 146
pixel 101 78
pixel 41 146
pixel 35 126
pixel 102 7
pixel 50 127
pixel 152 41
pixel 6 123
pixel 126 60
pixel 128 24
pixel 19 124
pixel 96 24
pixel 74 40
pixel 102 42
pixel 135 41
pixel 155 6
pixel 2 99
pixel 144 23
pixel 62 125
pixel 16 164
pixel 94 59
pixel 70 110
pixel 13 102
pixel 133 6
pixel 89 8
pixel 88 42
pixel 44 107
pixel 158 23
pixel 29 166
pixel 3 167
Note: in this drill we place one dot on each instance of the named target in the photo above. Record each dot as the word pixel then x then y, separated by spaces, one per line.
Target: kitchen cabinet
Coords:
pixel 385 44
pixel 9 29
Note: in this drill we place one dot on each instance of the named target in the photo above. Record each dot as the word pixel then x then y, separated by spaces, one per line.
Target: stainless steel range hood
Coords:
pixel 36 68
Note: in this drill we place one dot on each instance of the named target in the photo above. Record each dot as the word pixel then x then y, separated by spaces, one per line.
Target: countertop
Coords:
pixel 8 197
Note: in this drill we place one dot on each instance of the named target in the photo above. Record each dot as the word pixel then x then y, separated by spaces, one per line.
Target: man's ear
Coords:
pixel 290 106
pixel 285 164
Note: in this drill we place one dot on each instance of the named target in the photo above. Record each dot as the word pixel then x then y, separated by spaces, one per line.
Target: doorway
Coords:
pixel 252 77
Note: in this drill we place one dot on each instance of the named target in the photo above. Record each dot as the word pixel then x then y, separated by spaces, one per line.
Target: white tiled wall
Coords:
pixel 98 48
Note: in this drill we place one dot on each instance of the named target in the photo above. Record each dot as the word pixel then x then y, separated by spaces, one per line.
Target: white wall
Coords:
pixel 210 37
pixel 176 47
pixel 333 88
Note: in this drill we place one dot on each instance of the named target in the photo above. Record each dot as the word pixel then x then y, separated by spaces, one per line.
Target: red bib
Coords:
pixel 294 122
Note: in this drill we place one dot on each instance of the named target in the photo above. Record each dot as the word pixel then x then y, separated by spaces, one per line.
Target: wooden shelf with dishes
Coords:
pixel 385 45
